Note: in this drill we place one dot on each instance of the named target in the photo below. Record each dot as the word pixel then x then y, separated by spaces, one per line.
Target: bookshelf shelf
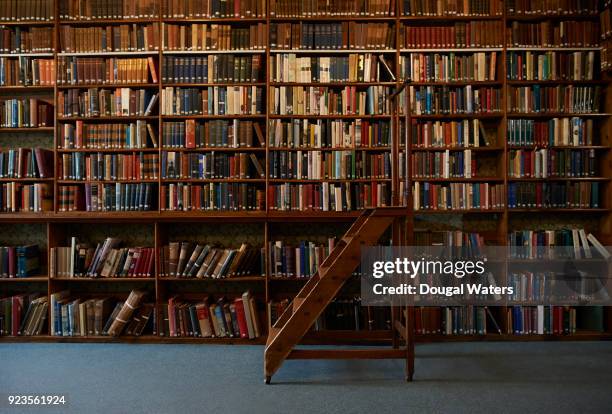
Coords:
pixel 552 49
pixel 36 129
pixel 215 52
pixel 108 85
pixel 332 51
pixel 30 279
pixel 25 54
pixel 555 115
pixel 453 50
pixel 89 54
pixel 104 280
pixel 160 223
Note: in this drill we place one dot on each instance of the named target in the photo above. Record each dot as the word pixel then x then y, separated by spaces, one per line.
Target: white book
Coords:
pixel 599 247
pixel 585 244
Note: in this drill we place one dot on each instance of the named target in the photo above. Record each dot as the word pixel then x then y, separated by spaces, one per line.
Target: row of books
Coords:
pixel 561 98
pixel 23 315
pixel 107 260
pixel 605 21
pixel 328 196
pixel 539 244
pixel 477 33
pixel 18 197
pixel 301 260
pixel 458 196
pixel 221 196
pixel 213 100
pixel 25 113
pixel 27 11
pixel 452 8
pixel 120 38
pixel 349 314
pixel 606 54
pixel 443 164
pixel 335 165
pixel 104 9
pixel 202 260
pixel 312 8
pixel 449 67
pixel 547 163
pixel 552 7
pixel 432 100
pixel 107 167
pixel 71 316
pixel 95 102
pixel 214 9
pixel 368 67
pixel 135 135
pixel 106 197
pixel 26 71
pixel 210 318
pixel 211 165
pixel 329 133
pixel 556 195
pixel 326 36
pixel 19 261
pixel 26 40
pixel 215 68
pixel 312 100
pixel 202 36
pixel 574 131
pixel 551 65
pixel 73 70
pixel 553 34
pixel 212 134
pixel 541 320
pixel 449 134
pixel 471 242
pixel 26 163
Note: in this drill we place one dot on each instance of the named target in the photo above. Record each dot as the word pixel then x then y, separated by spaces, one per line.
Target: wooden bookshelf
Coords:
pixel 499 220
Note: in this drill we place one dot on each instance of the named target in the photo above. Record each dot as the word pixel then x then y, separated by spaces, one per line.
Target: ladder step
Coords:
pixel 347 354
pixel 297 302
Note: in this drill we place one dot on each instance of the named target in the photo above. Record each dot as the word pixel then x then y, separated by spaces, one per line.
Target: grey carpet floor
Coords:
pixel 450 378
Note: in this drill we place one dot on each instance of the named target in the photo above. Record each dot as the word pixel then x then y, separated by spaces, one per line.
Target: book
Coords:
pixel 432 100
pixel 211 134
pixel 211 9
pixel 126 312
pixel 551 65
pixel 107 197
pixel 73 70
pixel 26 71
pixel 555 132
pixel 81 135
pixel 23 315
pixel 551 163
pixel 26 163
pixel 374 8
pixel 451 8
pixel 108 167
pixel 23 39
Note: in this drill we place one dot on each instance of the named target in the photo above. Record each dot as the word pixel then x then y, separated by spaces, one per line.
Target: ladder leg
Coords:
pixel 268 379
pixel 409 343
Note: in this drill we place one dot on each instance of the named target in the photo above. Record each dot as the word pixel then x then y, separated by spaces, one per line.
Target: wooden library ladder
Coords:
pixel 322 288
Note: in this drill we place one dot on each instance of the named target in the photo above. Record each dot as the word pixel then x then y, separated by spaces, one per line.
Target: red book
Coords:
pixel 190 133
pixel 17 305
pixel 240 315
